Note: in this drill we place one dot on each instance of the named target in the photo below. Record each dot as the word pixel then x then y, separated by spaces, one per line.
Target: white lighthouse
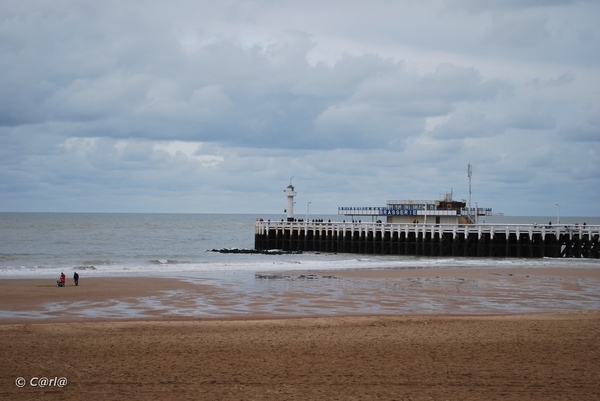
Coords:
pixel 289 192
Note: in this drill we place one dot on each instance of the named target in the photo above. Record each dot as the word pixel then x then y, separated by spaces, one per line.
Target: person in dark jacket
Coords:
pixel 76 278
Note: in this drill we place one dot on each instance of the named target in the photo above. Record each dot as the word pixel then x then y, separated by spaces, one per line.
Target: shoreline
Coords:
pixel 223 264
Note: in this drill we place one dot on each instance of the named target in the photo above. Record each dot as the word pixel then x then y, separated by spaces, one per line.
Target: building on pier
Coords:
pixel 445 210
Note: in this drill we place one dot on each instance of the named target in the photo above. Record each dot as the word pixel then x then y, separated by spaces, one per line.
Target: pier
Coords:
pixel 470 240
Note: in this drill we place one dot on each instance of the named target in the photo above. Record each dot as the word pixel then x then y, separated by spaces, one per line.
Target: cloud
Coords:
pixel 482 6
pixel 564 79
pixel 469 124
pixel 193 105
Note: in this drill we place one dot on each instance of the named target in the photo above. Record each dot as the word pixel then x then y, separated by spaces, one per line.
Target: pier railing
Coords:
pixel 502 240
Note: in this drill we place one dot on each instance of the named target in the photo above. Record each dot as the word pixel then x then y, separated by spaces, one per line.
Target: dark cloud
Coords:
pixel 192 105
pixel 487 5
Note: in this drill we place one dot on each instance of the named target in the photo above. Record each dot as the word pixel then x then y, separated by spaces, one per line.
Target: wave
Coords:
pixel 164 262
pixel 91 267
pixel 95 262
pixel 7 258
pixel 285 263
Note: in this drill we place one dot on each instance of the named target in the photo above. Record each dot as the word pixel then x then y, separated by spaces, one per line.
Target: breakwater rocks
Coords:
pixel 278 276
pixel 252 251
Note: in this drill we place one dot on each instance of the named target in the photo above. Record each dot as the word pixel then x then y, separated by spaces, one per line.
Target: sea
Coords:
pixel 41 245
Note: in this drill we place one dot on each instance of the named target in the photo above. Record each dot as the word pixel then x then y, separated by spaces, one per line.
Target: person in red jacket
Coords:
pixel 61 280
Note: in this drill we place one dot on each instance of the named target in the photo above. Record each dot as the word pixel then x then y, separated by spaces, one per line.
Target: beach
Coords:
pixel 536 357
pixel 137 338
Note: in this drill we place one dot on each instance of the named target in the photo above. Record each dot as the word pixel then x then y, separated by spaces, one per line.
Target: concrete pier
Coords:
pixel 472 240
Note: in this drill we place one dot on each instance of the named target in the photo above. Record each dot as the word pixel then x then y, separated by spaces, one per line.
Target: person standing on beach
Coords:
pixel 61 281
pixel 76 278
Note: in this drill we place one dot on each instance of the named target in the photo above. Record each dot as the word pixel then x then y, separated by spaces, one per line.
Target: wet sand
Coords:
pixel 338 293
pixel 329 335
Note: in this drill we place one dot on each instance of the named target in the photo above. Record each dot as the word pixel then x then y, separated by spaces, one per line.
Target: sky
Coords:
pixel 193 106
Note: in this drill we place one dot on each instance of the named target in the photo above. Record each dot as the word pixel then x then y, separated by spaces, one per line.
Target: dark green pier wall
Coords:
pixel 451 241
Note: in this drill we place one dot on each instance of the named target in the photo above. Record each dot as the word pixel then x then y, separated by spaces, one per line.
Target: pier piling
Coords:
pixel 469 240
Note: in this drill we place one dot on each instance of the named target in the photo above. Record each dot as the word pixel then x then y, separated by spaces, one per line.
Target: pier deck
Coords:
pixel 472 240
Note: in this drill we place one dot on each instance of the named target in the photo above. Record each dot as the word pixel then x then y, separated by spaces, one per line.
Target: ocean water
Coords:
pixel 111 244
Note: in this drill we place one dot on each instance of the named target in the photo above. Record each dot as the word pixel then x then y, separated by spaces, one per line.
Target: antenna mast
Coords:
pixel 470 174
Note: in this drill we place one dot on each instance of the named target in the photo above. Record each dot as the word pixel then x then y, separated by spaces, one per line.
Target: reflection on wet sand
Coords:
pixel 361 292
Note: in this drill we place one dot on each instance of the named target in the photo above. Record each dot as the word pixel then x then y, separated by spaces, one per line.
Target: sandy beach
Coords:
pixel 139 338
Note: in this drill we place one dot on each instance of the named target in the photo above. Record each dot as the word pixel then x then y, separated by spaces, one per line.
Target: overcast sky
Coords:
pixel 212 106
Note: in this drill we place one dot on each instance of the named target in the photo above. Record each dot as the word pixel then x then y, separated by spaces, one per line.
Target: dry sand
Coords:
pixel 536 357
pixel 157 354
